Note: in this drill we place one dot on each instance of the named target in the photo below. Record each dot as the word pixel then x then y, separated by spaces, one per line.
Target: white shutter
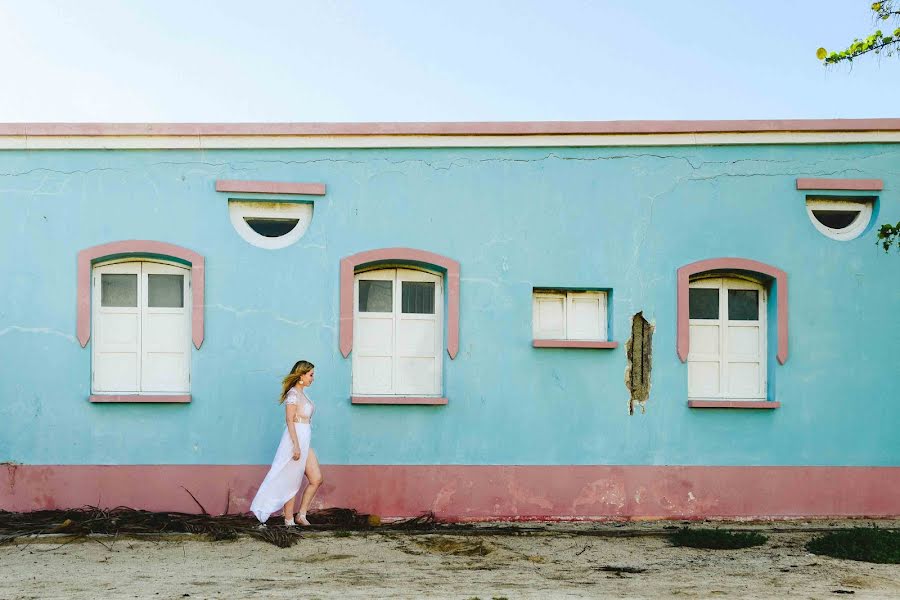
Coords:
pixel 116 321
pixel 166 329
pixel 419 332
pixel 727 358
pixel 585 315
pixel 372 361
pixel 705 356
pixel 549 316
pixel 745 344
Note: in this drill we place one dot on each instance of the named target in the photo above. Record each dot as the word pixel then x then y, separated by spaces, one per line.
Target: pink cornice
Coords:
pixel 351 263
pixel 740 264
pixel 88 256
pixel 865 185
pixel 574 344
pixel 447 128
pixel 270 187
pixel 398 400
pixel 160 398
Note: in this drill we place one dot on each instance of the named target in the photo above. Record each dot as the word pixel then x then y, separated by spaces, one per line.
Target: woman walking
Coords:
pixel 294 456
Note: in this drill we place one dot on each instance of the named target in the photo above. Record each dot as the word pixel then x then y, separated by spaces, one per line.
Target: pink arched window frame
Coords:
pixel 350 264
pixel 733 264
pixel 137 249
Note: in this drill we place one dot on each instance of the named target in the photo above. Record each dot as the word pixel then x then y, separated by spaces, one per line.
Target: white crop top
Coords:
pixel 304 410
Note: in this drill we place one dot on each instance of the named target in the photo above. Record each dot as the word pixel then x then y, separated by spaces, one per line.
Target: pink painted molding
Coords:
pixel 732 404
pixel 138 248
pixel 351 263
pixel 866 185
pixel 447 128
pixel 574 344
pixel 270 187
pixel 741 264
pixel 397 400
pixel 471 493
pixel 180 399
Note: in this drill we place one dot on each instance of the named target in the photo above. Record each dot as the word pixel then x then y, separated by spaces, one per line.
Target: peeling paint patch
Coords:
pixel 11 468
pixel 637 372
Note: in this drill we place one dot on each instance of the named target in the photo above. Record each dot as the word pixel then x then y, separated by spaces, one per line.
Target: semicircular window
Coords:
pixel 270 225
pixel 841 219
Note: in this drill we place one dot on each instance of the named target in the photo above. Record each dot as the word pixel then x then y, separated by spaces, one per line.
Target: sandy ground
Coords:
pixel 580 560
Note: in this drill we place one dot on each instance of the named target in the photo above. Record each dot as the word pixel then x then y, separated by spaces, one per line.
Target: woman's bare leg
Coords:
pixel 314 475
pixel 289 510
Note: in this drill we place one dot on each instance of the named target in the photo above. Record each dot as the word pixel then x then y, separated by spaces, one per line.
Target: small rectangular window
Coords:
pixel 376 296
pixel 704 303
pixel 165 291
pixel 569 315
pixel 118 290
pixel 743 305
pixel 418 297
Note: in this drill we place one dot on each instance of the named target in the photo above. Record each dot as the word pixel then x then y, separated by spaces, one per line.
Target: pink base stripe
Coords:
pixel 478 492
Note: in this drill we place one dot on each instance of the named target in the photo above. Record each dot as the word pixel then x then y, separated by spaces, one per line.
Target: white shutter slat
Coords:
pixel 116 337
pixel 419 341
pixel 166 340
pixel 549 316
pixel 586 315
pixel 372 360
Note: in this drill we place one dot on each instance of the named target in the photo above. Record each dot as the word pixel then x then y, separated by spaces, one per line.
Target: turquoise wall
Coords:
pixel 515 218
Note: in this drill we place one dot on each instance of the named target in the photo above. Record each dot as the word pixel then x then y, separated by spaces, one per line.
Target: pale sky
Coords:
pixel 421 60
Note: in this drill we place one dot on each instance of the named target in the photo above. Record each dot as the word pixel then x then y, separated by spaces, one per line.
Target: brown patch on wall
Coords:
pixel 637 373
pixel 11 468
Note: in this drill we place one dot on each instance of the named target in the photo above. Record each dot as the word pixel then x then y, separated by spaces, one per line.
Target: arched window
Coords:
pixel 141 328
pixel 398 333
pixel 399 309
pixel 726 309
pixel 141 302
pixel 727 358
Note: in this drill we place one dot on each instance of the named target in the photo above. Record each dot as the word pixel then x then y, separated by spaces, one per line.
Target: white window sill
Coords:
pixel 752 404
pixel 427 400
pixel 166 398
pixel 591 344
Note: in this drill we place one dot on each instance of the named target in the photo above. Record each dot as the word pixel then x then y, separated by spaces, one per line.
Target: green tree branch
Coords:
pixel 887 45
pixel 877 42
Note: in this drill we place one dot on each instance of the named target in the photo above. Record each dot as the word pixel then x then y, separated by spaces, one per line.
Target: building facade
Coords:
pixel 508 320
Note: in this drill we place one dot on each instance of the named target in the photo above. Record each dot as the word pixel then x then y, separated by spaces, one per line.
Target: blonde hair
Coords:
pixel 301 368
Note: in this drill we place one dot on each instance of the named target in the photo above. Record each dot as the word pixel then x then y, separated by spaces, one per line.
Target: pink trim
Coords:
pixel 573 344
pixel 740 264
pixel 446 128
pixel 270 187
pixel 397 400
pixel 840 184
pixel 732 404
pixel 137 248
pixel 464 492
pixel 140 398
pixel 351 263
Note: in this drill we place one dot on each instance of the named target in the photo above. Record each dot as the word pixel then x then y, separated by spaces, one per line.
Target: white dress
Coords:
pixel 284 478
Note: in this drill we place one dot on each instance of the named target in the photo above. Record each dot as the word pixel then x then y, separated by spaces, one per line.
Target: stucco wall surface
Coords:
pixel 514 218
